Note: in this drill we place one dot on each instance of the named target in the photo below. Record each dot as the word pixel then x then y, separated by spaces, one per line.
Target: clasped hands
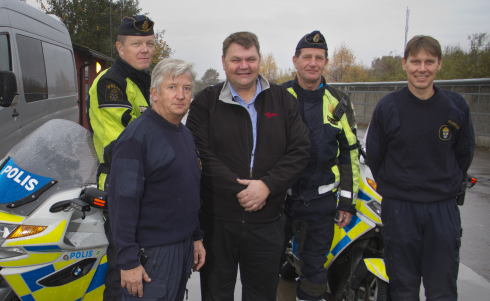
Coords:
pixel 253 197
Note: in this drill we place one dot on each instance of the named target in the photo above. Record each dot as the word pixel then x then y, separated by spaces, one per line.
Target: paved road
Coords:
pixel 474 271
pixel 475 216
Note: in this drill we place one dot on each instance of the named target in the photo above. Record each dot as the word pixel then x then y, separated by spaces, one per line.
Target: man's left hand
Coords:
pixel 199 255
pixel 254 196
pixel 344 218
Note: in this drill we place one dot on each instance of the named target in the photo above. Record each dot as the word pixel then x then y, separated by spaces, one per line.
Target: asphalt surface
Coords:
pixel 474 270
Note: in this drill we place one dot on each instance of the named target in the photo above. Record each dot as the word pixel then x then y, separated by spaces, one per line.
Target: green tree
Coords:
pixel 211 76
pixel 88 22
pixel 388 68
pixel 479 49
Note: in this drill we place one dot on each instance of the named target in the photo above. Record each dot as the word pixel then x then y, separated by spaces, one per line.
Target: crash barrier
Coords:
pixel 476 92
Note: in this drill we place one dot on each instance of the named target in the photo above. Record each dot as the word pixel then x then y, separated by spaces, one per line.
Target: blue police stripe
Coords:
pixel 31 277
pixel 99 277
pixel 363 196
pixel 27 298
pixel 18 183
pixel 342 243
pixel 353 222
pixel 295 246
pixel 44 249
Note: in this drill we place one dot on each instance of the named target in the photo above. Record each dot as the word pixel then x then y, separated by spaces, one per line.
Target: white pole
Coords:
pixel 406 29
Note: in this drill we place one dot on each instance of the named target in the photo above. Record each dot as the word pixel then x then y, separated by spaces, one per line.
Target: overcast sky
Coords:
pixel 195 30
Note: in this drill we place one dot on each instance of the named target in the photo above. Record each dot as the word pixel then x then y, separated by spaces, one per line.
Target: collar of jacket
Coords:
pixel 138 77
pixel 225 95
pixel 298 88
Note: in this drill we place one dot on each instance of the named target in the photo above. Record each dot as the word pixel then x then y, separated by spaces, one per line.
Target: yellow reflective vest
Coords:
pixel 114 102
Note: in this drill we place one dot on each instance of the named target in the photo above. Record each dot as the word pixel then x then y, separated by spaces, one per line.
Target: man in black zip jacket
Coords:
pixel 253 146
pixel 420 145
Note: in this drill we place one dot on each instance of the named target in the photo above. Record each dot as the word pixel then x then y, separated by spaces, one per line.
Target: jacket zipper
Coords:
pixel 248 151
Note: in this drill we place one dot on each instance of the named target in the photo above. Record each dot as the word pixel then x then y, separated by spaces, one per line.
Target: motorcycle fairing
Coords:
pixel 11 218
pixel 26 282
pixel 343 237
pixel 52 234
pixel 363 209
pixel 18 183
pixel 377 267
pixel 96 288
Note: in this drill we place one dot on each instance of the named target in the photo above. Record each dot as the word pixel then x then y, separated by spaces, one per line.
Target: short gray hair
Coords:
pixel 170 67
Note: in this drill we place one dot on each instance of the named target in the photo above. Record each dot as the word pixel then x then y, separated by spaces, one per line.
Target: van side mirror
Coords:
pixel 8 88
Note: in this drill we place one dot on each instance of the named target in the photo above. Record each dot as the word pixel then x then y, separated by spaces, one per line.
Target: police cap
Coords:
pixel 314 39
pixel 136 26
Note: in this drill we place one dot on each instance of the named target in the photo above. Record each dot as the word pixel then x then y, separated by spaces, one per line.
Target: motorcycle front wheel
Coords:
pixel 288 272
pixel 372 288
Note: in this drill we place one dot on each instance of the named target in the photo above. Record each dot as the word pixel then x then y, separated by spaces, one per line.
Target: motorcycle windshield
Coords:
pixel 59 155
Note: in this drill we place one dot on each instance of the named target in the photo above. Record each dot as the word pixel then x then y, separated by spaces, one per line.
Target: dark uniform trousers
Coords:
pixel 112 291
pixel 255 247
pixel 313 224
pixel 169 268
pixel 422 240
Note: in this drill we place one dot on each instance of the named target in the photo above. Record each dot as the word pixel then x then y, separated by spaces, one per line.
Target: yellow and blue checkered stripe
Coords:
pixel 343 237
pixel 28 289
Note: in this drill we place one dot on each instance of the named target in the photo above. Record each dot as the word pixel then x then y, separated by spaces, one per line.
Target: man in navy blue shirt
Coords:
pixel 420 145
pixel 154 192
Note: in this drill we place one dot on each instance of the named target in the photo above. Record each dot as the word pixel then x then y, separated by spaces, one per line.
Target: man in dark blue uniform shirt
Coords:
pixel 420 145
pixel 154 192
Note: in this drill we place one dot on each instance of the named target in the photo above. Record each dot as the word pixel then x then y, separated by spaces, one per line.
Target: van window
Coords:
pixel 5 59
pixel 60 71
pixel 32 67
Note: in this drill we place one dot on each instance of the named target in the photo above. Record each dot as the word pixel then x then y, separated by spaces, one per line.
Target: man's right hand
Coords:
pixel 132 280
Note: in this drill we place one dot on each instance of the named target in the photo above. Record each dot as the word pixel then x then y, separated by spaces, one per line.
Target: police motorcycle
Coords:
pixel 52 244
pixel 355 262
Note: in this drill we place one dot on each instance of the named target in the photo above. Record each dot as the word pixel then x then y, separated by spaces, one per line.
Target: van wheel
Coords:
pixel 288 271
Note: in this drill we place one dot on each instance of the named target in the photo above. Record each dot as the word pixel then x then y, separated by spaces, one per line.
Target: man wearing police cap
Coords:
pixel 118 96
pixel 311 204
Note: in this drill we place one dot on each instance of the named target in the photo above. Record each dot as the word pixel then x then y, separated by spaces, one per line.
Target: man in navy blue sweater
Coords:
pixel 154 192
pixel 420 145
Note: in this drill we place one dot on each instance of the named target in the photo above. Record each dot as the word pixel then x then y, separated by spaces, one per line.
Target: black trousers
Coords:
pixel 422 240
pixel 112 291
pixel 313 224
pixel 255 247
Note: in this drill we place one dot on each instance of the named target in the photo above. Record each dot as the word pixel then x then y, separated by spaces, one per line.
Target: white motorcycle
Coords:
pixel 53 245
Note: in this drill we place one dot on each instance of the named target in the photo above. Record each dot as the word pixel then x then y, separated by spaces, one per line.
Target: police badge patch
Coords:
pixel 113 93
pixel 444 133
pixel 332 121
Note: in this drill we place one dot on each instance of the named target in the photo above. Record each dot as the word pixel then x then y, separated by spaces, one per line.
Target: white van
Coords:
pixel 38 80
